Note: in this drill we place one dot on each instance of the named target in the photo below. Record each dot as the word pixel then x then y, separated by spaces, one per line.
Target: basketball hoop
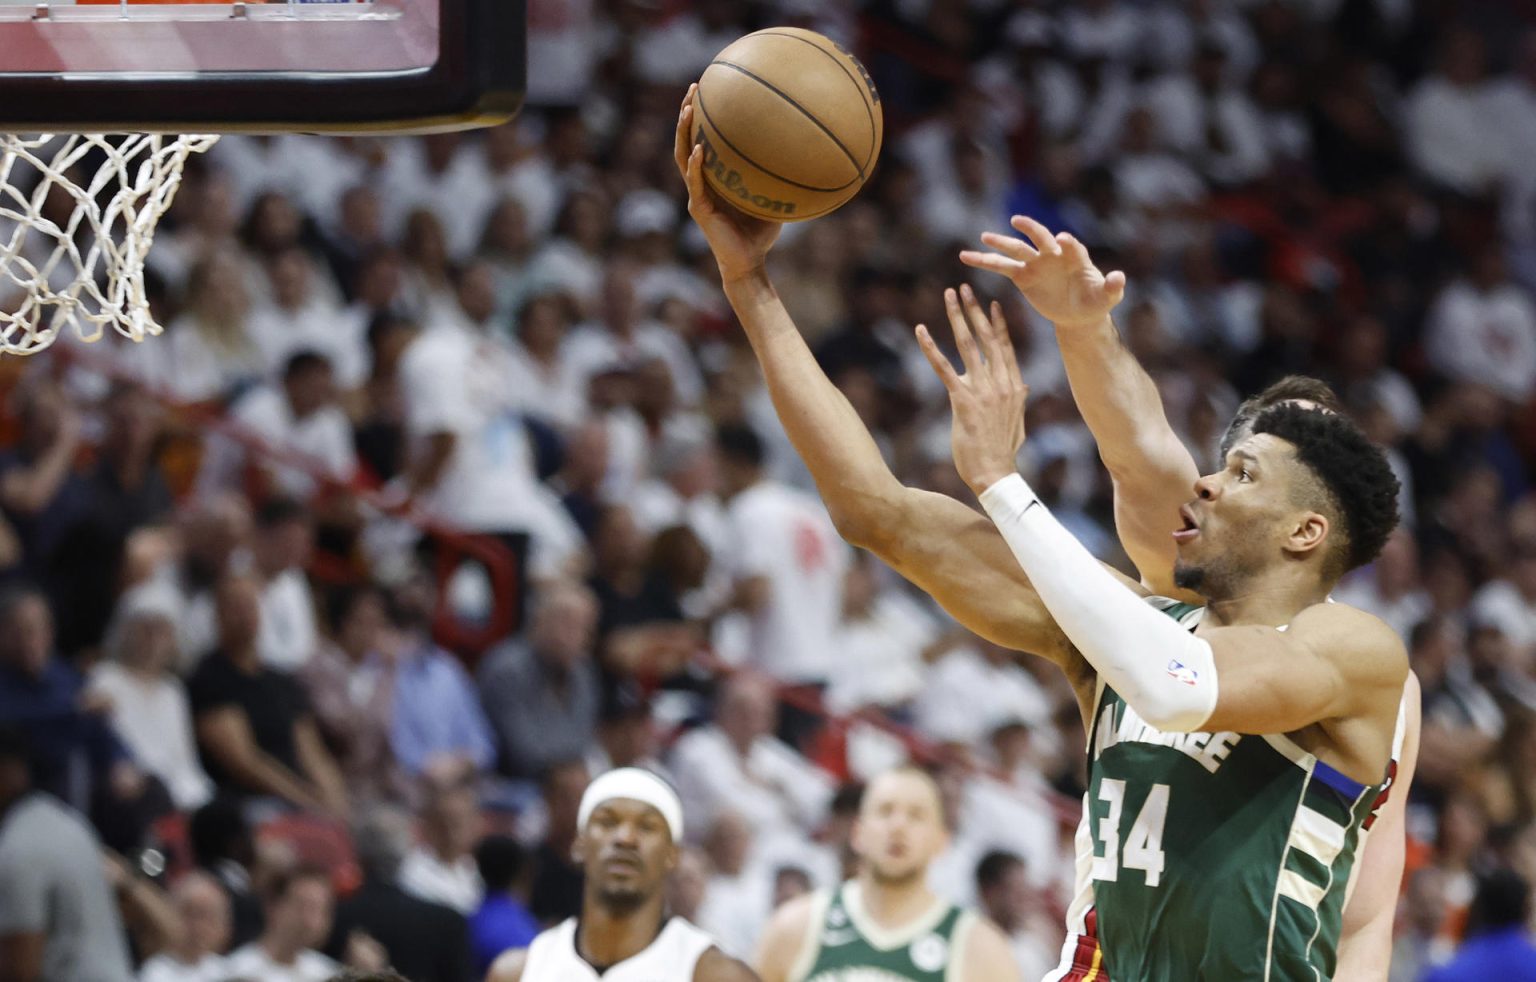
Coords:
pixel 85 268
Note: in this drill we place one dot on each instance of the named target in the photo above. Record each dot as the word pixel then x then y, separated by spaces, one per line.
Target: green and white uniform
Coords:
pixel 1210 856
pixel 848 946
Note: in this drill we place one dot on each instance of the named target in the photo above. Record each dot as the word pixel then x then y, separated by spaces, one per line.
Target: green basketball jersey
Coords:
pixel 847 946
pixel 1212 856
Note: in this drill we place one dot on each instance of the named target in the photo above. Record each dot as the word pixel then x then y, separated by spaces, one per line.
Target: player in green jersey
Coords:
pixel 960 558
pixel 885 925
pixel 1151 472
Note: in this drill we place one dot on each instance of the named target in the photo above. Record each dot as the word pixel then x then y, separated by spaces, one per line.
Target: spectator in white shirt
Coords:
pixel 196 955
pixel 280 552
pixel 301 424
pixel 735 764
pixel 971 687
pixel 789 565
pixel 299 907
pixel 469 461
pixel 1509 602
pixel 147 702
pixel 1483 329
pixel 882 641
pixel 299 318
pixel 1390 587
pixel 735 907
pixel 623 335
pixel 541 382
pixel 1209 120
pixel 1452 118
pixel 209 349
pixel 441 868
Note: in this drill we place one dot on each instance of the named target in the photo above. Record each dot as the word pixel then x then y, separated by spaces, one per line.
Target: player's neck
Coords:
pixel 605 938
pixel 1269 602
pixel 893 904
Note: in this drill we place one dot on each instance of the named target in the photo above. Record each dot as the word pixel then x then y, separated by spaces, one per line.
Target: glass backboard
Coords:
pixel 318 65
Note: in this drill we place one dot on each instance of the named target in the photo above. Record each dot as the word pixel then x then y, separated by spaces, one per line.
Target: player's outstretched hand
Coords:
pixel 1053 272
pixel 739 241
pixel 988 400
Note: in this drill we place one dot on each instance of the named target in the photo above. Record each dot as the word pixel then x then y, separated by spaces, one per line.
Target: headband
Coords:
pixel 636 785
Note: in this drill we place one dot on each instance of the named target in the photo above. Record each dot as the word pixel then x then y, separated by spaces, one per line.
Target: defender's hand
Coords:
pixel 739 241
pixel 988 400
pixel 1055 274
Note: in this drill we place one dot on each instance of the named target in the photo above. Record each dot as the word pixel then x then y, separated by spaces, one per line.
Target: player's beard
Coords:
pixel 621 901
pixel 896 878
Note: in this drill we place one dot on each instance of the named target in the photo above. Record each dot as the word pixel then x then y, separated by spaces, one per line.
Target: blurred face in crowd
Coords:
pixel 239 612
pixel 362 624
pixel 360 215
pixel 310 389
pixel 477 293
pixel 618 544
pixel 149 643
pixel 1007 901
pixel 788 883
pixel 290 275
pixel 41 405
pixel 900 828
pixel 27 642
pixel 563 788
pixel 301 916
pixel 564 626
pixel 627 851
pixel 453 823
pixel 543 325
pixel 205 914
pixel 747 711
pixel 506 230
pixel 728 843
pixel 285 545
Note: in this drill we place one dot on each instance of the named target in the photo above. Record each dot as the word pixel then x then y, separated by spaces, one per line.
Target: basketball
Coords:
pixel 790 123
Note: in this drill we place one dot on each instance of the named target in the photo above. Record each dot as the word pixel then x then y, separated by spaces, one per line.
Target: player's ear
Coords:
pixel 673 856
pixel 579 850
pixel 1309 533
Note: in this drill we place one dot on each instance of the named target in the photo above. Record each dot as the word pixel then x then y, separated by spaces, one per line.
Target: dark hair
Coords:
pixel 740 445
pixel 1292 388
pixel 218 830
pixel 279 510
pixel 994 866
pixel 341 602
pixel 1354 472
pixel 502 860
pixel 1503 900
pixel 13 596
pixel 304 360
pixel 284 881
pixel 353 975
pixel 847 800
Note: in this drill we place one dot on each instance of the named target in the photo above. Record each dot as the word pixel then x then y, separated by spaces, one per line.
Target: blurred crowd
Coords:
pixel 243 648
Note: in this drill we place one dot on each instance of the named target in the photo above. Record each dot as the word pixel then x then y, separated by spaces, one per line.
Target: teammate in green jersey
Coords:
pixel 885 925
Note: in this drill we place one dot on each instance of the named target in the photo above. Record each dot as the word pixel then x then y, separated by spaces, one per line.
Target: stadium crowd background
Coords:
pixel 216 637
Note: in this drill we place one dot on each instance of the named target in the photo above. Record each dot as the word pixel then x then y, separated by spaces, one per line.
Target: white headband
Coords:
pixel 636 785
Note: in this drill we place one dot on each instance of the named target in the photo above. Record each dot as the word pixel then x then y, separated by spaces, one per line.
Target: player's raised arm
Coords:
pixel 1151 469
pixel 938 543
pixel 1307 485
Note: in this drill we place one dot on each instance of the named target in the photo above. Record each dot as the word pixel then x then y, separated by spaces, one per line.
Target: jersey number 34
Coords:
pixel 1143 847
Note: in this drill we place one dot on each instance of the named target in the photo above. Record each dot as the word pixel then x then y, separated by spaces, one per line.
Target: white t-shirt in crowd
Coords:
pixel 786 536
pixel 1485 336
pixel 153 718
pixel 253 962
pixel 880 657
pixel 289 635
pixel 455 381
pixel 324 437
pixel 457 885
pixel 164 968
pixel 775 789
pixel 1501 604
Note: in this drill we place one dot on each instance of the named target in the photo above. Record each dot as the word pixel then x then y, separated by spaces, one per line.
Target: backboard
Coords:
pixel 285 65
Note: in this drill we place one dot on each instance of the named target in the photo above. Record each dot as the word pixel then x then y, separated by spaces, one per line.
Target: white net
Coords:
pixel 77 217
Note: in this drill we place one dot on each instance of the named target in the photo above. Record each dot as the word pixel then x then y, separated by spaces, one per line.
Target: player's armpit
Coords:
pixel 1332 662
pixel 1365 941
pixel 716 966
pixel 957 556
pixel 987 956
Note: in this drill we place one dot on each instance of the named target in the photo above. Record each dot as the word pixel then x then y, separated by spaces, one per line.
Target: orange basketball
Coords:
pixel 790 123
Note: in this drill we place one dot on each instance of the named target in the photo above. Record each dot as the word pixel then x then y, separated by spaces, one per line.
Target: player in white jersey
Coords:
pixel 630 823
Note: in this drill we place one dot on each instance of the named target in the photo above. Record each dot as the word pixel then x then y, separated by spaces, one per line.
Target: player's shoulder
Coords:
pixel 716 966
pixel 986 951
pixel 508 966
pixel 1356 640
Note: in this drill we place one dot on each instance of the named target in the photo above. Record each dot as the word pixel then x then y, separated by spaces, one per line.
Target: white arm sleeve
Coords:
pixel 1165 673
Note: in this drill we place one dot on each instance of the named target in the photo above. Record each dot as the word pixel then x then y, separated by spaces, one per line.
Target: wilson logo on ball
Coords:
pixel 728 180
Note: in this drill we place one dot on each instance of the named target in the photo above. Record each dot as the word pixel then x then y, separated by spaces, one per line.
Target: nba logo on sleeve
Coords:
pixel 1181 672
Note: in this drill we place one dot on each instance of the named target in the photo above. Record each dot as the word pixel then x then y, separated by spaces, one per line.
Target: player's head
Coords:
pixel 1305 487
pixel 1302 391
pixel 628 829
pixel 900 828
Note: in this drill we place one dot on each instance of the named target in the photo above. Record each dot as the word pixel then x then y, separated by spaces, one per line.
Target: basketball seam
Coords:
pixel 869 109
pixel 698 98
pixel 800 109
